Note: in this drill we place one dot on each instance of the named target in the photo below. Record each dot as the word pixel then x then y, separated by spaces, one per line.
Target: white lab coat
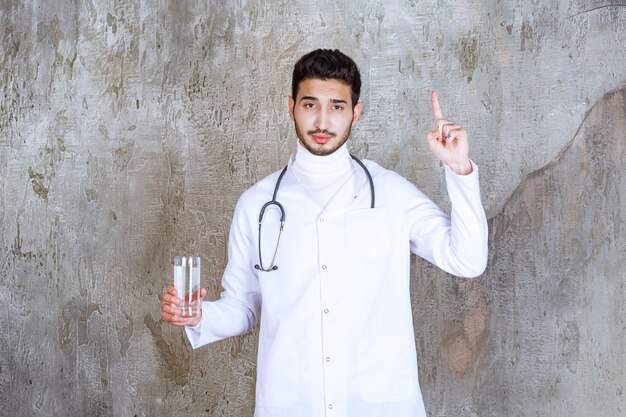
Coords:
pixel 336 332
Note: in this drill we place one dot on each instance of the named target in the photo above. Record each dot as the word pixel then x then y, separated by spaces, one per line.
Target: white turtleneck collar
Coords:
pixel 310 165
pixel 323 176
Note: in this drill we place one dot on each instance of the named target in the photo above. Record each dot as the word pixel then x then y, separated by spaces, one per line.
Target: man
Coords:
pixel 331 288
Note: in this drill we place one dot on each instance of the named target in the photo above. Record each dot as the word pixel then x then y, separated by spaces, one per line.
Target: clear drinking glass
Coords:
pixel 187 284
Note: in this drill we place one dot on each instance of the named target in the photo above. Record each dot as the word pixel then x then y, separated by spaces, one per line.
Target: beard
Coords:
pixel 317 148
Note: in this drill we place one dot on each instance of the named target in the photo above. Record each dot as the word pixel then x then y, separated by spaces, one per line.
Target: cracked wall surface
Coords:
pixel 128 129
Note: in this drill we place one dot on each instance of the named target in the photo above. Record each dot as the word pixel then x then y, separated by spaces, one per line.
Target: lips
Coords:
pixel 321 138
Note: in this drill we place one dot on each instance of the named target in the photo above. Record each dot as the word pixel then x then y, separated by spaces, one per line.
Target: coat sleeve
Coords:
pixel 456 243
pixel 236 311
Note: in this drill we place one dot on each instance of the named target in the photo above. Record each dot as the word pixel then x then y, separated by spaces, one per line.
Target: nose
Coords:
pixel 322 120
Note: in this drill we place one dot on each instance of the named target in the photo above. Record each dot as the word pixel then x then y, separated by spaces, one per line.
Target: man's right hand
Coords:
pixel 170 308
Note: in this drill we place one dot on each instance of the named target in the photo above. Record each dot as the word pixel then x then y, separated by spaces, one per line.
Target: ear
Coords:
pixel 358 109
pixel 291 107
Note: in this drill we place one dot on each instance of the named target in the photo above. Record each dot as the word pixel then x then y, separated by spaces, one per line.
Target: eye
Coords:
pixel 309 105
pixel 337 107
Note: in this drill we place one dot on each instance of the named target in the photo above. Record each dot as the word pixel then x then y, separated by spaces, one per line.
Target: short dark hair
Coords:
pixel 327 64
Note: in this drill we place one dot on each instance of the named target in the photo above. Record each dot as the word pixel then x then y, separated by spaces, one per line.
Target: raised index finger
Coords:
pixel 436 107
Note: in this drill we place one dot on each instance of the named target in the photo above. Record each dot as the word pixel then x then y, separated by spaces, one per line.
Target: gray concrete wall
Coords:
pixel 128 129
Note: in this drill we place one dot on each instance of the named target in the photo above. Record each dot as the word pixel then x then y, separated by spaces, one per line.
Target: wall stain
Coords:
pixel 570 345
pixel 122 155
pixel 530 37
pixel 36 180
pixel 76 314
pixel 463 346
pixel 467 52
pixel 16 249
pixel 51 35
pixel 124 333
pixel 68 67
pixel 177 362
pixel 112 23
pixel 52 154
pixel 93 178
pixel 104 368
pixel 239 344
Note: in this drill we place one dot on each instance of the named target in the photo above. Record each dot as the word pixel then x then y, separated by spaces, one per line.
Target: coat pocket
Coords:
pixel 386 369
pixel 277 375
pixel 369 233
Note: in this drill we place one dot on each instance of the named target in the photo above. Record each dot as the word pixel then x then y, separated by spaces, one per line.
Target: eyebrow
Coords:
pixel 333 100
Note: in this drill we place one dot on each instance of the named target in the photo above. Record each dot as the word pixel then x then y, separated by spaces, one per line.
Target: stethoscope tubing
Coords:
pixel 274 202
pixel 369 178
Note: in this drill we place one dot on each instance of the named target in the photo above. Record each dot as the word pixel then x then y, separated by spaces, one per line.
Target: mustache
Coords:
pixel 326 132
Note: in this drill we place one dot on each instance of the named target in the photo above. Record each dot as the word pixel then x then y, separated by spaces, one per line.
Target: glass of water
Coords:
pixel 187 284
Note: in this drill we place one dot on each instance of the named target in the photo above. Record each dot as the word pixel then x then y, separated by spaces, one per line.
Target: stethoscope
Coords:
pixel 274 202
